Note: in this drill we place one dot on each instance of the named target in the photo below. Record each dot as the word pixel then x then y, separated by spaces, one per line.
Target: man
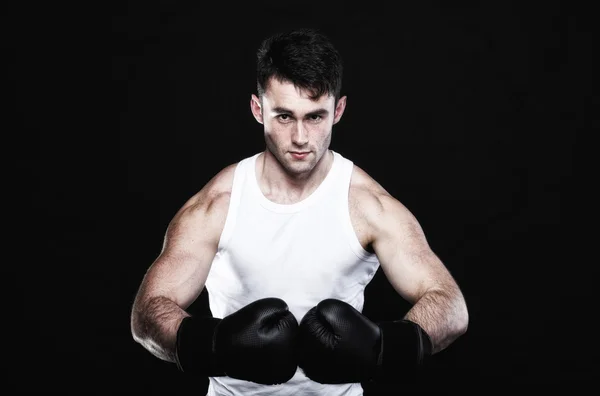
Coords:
pixel 285 242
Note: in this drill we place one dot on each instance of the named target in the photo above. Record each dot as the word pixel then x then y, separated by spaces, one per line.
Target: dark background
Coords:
pixel 469 114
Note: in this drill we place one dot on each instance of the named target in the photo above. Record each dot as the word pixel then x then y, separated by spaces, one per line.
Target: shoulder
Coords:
pixel 373 204
pixel 365 192
pixel 211 202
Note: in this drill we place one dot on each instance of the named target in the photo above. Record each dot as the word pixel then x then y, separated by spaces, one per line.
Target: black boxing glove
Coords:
pixel 338 344
pixel 255 343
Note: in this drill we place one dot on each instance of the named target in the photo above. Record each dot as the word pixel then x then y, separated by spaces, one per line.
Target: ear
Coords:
pixel 256 108
pixel 339 109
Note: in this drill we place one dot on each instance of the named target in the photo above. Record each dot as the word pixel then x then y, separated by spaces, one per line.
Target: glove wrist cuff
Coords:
pixel 195 351
pixel 405 347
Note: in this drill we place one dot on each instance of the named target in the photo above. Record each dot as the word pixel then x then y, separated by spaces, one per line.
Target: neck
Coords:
pixel 281 186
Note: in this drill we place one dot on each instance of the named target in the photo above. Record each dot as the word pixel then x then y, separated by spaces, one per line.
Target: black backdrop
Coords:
pixel 468 114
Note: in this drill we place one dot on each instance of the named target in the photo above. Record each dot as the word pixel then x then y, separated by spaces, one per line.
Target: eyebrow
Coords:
pixel 317 112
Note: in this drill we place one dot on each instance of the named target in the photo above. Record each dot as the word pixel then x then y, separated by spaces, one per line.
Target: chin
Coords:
pixel 299 167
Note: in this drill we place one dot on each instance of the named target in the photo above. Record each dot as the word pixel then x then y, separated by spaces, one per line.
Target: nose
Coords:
pixel 299 135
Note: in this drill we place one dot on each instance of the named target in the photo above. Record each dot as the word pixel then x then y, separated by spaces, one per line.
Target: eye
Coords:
pixel 315 118
pixel 284 118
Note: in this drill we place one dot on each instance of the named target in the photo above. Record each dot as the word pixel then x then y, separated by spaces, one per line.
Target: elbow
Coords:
pixel 135 328
pixel 463 320
pixel 135 334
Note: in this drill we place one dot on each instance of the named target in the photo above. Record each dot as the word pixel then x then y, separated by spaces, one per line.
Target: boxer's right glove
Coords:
pixel 338 344
pixel 256 343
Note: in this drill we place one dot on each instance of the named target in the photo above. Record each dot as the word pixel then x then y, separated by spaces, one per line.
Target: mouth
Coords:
pixel 299 154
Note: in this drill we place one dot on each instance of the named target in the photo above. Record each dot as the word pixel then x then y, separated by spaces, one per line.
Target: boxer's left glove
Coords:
pixel 338 344
pixel 255 343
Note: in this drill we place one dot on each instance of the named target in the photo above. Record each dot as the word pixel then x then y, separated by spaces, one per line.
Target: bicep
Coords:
pixel 180 271
pixel 406 258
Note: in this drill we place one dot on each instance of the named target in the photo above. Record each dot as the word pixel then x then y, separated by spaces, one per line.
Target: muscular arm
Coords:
pixel 412 268
pixel 177 276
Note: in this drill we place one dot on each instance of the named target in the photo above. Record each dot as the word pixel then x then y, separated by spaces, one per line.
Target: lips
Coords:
pixel 299 154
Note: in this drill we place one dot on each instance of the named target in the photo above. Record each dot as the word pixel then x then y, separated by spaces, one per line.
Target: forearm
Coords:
pixel 154 324
pixel 442 314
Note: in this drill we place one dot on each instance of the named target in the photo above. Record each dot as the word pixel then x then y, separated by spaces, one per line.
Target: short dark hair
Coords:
pixel 305 57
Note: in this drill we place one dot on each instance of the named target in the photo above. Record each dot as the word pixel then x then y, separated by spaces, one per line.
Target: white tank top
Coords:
pixel 302 253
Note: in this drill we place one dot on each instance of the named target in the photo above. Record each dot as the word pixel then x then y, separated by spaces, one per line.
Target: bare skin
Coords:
pixel 295 124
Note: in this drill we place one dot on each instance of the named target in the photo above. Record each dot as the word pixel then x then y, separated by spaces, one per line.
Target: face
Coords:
pixel 297 128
